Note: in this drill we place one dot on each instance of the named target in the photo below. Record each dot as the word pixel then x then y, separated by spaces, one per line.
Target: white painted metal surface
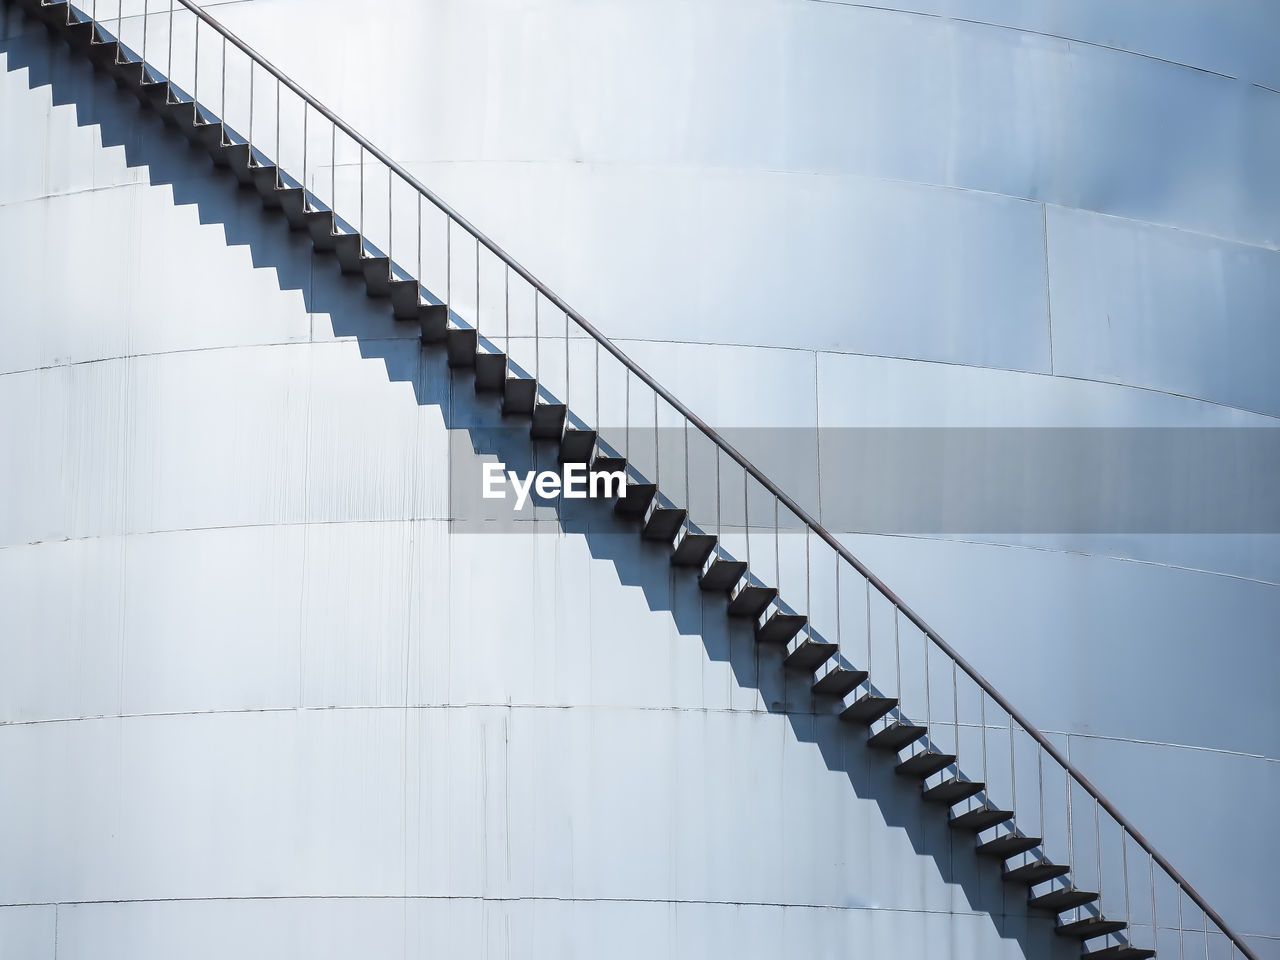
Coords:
pixel 257 699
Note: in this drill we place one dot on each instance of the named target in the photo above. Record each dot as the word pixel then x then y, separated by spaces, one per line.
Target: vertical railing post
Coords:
pixel 169 63
pixel 195 81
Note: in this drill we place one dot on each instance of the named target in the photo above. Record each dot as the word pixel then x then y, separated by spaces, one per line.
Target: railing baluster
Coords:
pixel 1097 845
pixel 195 81
pixel 1151 878
pixel 868 586
pixel 1013 776
pixel 1124 870
pixel 928 696
pixel 982 719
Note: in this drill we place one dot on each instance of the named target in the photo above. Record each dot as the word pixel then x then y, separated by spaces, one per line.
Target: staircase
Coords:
pixel 1071 860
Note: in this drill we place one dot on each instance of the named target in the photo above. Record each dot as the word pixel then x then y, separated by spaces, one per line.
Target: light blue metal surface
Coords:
pixel 162 442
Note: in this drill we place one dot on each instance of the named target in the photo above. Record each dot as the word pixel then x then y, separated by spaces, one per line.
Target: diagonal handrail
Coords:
pixel 723 446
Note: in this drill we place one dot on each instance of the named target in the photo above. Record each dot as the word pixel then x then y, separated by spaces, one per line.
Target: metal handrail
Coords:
pixel 801 514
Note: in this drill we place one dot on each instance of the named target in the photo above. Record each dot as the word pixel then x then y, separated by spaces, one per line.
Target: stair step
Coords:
pixel 153 90
pixel 780 627
pixel 693 549
pixel 122 69
pixel 577 445
pixel 1037 871
pixel 130 75
pixel 238 155
pixel 293 201
pixel 722 574
pixel 182 114
pixel 839 681
pixel 210 134
pixel 405 299
pixel 491 372
pixel 925 764
pixel 1008 845
pixel 868 708
pixel 635 499
pixel 53 14
pixel 809 654
pixel 895 736
pixel 663 523
pixel 518 396
pixel 1089 927
pixel 1121 951
pixel 79 34
pixel 548 420
pixel 980 818
pixel 433 320
pixel 377 275
pixel 350 250
pixel 1062 899
pixel 952 790
pixel 266 178
pixel 104 52
pixel 751 599
pixel 602 463
pixel 319 225
pixel 460 346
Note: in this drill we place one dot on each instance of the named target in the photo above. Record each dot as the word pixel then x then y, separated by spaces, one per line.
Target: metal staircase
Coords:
pixel 1076 855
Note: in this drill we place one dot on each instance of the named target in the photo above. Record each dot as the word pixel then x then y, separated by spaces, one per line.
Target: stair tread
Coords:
pixel 751 599
pixel 722 574
pixel 980 818
pixel 693 549
pixel 896 735
pixel 840 681
pixel 491 372
pixel 663 523
pixel 1062 899
pixel 548 420
pixel 1036 871
pixel 460 345
pixel 868 708
pixel 1089 927
pixel 519 394
pixel 577 445
pixel 952 790
pixel 1122 951
pixel 1008 845
pixel 809 653
pixel 780 627
pixel 635 499
pixel 925 763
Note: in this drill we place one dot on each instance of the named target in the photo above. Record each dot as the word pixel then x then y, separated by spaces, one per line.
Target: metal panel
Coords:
pixel 79 305
pixel 29 932
pixel 1072 635
pixel 1025 115
pixel 1232 37
pixel 1225 850
pixel 593 753
pixel 340 929
pixel 1164 309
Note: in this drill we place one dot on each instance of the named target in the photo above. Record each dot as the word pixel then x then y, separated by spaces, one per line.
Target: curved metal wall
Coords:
pixel 260 699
